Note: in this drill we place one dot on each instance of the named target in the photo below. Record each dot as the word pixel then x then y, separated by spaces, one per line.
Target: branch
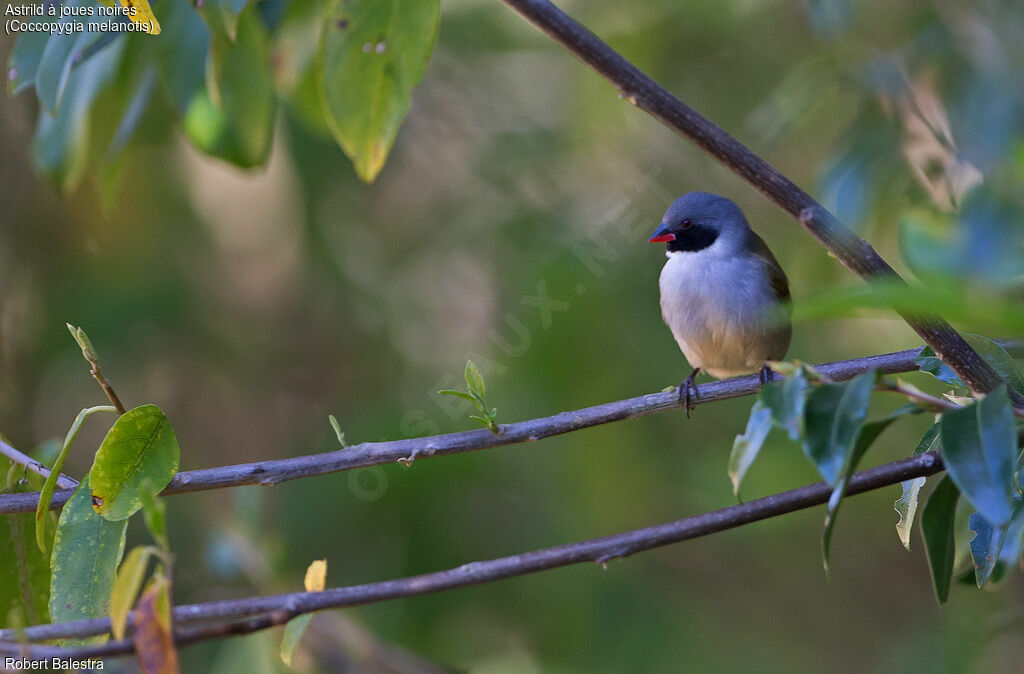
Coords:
pixel 63 481
pixel 263 612
pixel 378 453
pixel 848 248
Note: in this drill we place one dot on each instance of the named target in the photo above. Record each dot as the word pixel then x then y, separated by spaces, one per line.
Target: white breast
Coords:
pixel 720 310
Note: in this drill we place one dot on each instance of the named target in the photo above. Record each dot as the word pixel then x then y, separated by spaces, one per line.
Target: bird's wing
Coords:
pixel 776 276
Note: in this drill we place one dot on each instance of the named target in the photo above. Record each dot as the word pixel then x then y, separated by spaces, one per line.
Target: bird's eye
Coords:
pixel 685 224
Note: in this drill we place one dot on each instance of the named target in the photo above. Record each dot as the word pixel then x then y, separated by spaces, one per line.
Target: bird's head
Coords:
pixel 696 220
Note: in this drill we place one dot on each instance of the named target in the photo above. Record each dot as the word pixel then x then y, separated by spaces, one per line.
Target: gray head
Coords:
pixel 697 220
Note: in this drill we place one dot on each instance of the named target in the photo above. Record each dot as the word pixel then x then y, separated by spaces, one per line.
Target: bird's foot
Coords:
pixel 684 392
pixel 766 375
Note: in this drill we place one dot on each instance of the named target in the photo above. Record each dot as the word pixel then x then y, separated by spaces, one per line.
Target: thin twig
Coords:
pixel 272 610
pixel 104 383
pixel 378 453
pixel 917 395
pixel 63 481
pixel 848 248
pixel 91 357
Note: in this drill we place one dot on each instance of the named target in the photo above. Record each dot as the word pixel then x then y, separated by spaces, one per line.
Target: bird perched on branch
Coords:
pixel 723 293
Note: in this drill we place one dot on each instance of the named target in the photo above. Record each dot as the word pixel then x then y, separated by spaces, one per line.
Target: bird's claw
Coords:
pixel 684 395
pixel 766 375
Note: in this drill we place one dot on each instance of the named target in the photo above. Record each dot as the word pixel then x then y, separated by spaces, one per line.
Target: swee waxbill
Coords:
pixel 722 290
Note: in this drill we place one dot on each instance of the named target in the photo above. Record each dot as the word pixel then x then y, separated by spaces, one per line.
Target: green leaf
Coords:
pixel 55 64
pixel 982 242
pixel 155 515
pixel 46 494
pixel 997 357
pixel 139 454
pixel 833 417
pixel 786 400
pixel 868 434
pixel 126 587
pixel 234 118
pixel 86 552
pixel 337 430
pixel 24 570
pixel 746 447
pixel 459 394
pixel 293 632
pixel 952 298
pixel 906 505
pixel 296 44
pixel 65 52
pixel 183 47
pixel 61 142
pixel 985 547
pixel 371 56
pixel 1013 545
pixel 25 57
pixel 222 16
pixel 139 94
pixel 474 381
pixel 979 445
pixel 937 519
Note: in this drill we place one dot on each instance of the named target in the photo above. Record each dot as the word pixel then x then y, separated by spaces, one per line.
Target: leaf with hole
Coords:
pixel 372 54
pixel 140 453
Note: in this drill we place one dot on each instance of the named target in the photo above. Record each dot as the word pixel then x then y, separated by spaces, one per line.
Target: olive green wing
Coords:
pixel 776 276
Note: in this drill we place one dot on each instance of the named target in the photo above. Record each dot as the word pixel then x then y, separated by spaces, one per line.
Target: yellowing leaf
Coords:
pixel 143 15
pixel 154 643
pixel 316 576
pixel 126 586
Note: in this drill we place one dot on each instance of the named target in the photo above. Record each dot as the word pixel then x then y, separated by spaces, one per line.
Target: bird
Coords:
pixel 723 294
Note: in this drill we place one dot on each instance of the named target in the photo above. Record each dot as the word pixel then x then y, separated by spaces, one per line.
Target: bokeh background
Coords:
pixel 251 304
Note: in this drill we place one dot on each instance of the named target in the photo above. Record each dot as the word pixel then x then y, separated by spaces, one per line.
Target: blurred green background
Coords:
pixel 251 304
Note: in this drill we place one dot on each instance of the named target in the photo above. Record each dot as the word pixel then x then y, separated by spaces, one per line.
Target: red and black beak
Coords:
pixel 662 235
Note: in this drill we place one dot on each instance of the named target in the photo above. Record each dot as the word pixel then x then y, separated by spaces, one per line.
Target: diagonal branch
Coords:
pixel 63 481
pixel 263 612
pixel 378 453
pixel 850 249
